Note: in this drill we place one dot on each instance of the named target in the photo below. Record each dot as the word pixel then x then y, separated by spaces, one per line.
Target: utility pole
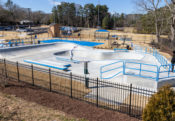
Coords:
pixel 98 13
pixel 55 10
pixel 114 20
pixel 55 14
pixel 68 15
pixel 29 18
pixel 32 42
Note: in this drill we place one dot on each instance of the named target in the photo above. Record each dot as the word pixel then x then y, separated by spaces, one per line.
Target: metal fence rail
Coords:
pixel 142 70
pixel 162 60
pixel 119 97
pixel 117 68
pixel 155 72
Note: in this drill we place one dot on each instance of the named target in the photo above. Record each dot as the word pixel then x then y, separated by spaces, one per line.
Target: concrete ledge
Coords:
pixel 24 47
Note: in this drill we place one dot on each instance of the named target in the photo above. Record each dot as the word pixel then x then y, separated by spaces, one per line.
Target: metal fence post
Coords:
pixel 17 67
pixel 170 67
pixel 158 71
pixel 140 72
pixel 71 84
pixel 97 93
pixel 32 76
pixel 5 68
pixel 130 99
pixel 124 67
pixel 50 79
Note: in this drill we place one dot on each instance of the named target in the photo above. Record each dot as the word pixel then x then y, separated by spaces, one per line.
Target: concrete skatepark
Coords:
pixel 128 67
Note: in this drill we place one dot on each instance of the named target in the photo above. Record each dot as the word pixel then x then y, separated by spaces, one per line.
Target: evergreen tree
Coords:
pixel 54 18
pixel 106 22
pixel 161 106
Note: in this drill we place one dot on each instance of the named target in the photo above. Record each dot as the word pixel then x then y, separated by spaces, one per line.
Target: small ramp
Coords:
pixel 50 64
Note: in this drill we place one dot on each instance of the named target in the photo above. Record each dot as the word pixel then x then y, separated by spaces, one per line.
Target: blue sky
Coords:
pixel 119 6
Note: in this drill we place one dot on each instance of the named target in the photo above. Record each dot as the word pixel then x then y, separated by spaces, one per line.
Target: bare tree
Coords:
pixel 171 5
pixel 152 7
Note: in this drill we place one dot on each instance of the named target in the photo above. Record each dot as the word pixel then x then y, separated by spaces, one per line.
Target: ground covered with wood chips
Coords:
pixel 13 108
pixel 24 102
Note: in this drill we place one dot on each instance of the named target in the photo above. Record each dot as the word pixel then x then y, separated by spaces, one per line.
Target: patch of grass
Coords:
pixel 1 116
pixel 7 96
pixel 60 84
pixel 63 118
pixel 83 119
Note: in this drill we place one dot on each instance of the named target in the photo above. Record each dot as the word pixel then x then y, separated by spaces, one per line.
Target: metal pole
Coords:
pixel 29 17
pixel 140 69
pixel 71 84
pixel 98 13
pixel 114 20
pixel 130 99
pixel 5 68
pixel 32 75
pixel 97 93
pixel 17 66
pixel 55 15
pixel 50 79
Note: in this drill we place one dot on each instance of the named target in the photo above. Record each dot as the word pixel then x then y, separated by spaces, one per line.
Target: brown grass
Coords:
pixel 59 84
pixel 137 100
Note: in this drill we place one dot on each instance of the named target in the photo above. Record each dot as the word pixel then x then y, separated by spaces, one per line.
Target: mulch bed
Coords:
pixel 73 107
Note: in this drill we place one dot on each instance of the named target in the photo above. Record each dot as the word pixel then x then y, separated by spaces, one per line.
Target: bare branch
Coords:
pixel 168 5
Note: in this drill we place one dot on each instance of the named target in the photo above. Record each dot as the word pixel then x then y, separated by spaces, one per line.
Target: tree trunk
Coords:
pixel 157 32
pixel 173 28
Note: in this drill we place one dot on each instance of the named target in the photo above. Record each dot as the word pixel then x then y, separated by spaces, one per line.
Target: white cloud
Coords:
pixel 54 2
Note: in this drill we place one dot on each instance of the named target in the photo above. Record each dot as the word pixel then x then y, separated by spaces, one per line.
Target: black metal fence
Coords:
pixel 119 97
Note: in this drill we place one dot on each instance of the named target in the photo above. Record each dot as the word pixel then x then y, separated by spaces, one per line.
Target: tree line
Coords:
pixel 159 18
pixel 12 14
pixel 89 15
pixel 67 14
